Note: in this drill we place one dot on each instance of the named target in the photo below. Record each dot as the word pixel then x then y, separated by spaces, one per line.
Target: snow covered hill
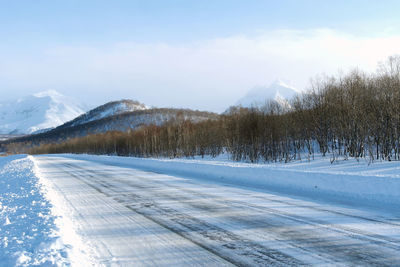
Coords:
pixel 113 116
pixel 278 91
pixel 35 113
pixel 107 110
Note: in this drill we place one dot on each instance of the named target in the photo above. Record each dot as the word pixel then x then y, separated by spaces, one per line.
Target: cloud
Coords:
pixel 207 74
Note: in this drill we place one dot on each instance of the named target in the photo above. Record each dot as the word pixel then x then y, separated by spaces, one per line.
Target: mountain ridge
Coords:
pixel 108 109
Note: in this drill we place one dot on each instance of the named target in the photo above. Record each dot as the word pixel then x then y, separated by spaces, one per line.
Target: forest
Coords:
pixel 355 114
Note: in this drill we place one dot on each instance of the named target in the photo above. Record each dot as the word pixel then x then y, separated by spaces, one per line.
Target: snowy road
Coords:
pixel 130 217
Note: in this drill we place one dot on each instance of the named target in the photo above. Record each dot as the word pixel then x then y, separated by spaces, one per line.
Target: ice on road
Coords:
pixel 128 217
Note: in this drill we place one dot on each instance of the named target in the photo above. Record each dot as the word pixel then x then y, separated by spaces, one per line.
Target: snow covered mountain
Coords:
pixel 106 110
pixel 111 117
pixel 278 91
pixel 38 112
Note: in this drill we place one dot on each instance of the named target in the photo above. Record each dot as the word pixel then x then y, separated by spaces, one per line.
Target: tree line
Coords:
pixel 349 115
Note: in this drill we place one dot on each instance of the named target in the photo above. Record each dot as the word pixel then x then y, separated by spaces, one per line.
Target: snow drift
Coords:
pixel 28 230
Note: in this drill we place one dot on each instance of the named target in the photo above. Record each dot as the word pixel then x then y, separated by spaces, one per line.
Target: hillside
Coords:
pixel 125 121
pixel 109 109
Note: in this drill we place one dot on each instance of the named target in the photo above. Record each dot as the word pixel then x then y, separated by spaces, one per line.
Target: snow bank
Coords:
pixel 77 251
pixel 349 182
pixel 28 232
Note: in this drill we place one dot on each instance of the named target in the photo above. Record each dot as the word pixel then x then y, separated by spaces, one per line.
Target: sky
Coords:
pixel 192 54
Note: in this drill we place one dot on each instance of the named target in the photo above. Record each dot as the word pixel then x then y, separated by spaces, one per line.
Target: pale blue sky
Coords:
pixel 168 52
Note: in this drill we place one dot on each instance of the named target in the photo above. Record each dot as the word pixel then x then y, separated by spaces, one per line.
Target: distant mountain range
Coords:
pixel 278 91
pixel 47 110
pixel 123 115
pixel 51 117
pixel 38 112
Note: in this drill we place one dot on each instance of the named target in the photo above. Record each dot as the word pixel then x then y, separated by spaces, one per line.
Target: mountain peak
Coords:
pixel 283 83
pixel 51 93
pixel 43 110
pixel 280 91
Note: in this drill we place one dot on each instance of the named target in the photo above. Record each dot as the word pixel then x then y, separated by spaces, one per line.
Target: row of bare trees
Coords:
pixel 174 139
pixel 352 115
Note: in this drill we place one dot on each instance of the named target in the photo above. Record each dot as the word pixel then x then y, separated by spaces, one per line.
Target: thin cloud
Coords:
pixel 208 74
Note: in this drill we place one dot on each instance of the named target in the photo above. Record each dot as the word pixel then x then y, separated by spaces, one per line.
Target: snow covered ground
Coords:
pixel 28 232
pixel 158 217
pixel 353 182
pixel 84 210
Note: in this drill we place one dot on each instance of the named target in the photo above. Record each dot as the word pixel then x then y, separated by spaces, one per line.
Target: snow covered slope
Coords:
pixel 107 110
pixel 278 91
pixel 44 110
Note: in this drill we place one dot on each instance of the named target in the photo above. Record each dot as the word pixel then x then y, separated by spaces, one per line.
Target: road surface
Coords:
pixel 131 217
